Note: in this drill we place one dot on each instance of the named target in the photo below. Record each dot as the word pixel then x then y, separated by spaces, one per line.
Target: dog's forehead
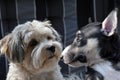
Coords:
pixel 91 29
pixel 30 30
pixel 30 26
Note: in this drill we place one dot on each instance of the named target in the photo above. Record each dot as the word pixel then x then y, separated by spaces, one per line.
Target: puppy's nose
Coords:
pixel 51 48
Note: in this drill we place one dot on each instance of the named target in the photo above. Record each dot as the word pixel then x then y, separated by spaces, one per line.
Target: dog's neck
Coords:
pixel 102 65
pixel 22 72
pixel 107 70
pixel 52 75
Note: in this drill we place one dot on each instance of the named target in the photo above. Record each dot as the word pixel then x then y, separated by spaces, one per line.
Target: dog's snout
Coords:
pixel 51 48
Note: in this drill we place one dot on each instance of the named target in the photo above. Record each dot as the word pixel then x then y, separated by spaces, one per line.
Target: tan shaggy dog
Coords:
pixel 34 50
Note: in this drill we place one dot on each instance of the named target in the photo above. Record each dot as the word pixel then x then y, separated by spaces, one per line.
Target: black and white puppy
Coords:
pixel 97 45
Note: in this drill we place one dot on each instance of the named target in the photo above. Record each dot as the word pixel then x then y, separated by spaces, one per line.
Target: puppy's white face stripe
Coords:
pixel 91 50
pixel 91 43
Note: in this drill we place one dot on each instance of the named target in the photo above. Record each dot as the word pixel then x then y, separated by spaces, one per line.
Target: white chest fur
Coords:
pixel 106 69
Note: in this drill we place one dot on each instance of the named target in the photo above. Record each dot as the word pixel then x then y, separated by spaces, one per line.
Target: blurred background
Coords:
pixel 66 16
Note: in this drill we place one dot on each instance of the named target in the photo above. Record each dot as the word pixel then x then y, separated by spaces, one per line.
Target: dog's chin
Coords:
pixel 50 64
pixel 51 61
pixel 47 65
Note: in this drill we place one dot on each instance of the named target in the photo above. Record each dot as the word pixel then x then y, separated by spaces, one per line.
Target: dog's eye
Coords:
pixel 83 42
pixel 79 36
pixel 49 37
pixel 33 42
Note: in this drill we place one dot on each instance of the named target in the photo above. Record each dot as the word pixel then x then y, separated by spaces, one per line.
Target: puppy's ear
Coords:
pixel 109 25
pixel 12 48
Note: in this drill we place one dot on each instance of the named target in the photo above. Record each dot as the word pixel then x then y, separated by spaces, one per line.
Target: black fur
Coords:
pixel 110 47
pixel 93 74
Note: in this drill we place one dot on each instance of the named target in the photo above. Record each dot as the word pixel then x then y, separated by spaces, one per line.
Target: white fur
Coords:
pixel 36 60
pixel 106 69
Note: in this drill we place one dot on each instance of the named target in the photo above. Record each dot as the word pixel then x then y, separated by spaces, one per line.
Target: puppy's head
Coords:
pixel 35 45
pixel 93 42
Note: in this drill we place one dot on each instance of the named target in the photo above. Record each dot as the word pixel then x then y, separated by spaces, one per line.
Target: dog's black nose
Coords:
pixel 51 48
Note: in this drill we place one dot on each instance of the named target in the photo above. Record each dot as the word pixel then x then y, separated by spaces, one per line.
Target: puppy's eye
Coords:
pixel 79 36
pixel 33 42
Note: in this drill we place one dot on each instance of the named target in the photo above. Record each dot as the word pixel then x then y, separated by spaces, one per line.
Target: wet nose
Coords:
pixel 51 48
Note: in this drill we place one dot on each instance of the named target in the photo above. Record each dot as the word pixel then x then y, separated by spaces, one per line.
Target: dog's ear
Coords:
pixel 4 44
pixel 109 25
pixel 12 48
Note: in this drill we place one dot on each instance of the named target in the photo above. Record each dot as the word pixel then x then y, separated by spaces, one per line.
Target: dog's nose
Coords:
pixel 51 48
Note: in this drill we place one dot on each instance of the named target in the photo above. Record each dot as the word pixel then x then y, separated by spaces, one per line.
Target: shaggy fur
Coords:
pixel 97 45
pixel 34 50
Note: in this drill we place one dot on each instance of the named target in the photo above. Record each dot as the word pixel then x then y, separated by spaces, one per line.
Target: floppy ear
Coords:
pixel 4 44
pixel 12 48
pixel 109 25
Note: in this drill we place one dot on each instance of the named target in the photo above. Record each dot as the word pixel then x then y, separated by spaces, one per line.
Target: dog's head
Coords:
pixel 35 45
pixel 95 41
